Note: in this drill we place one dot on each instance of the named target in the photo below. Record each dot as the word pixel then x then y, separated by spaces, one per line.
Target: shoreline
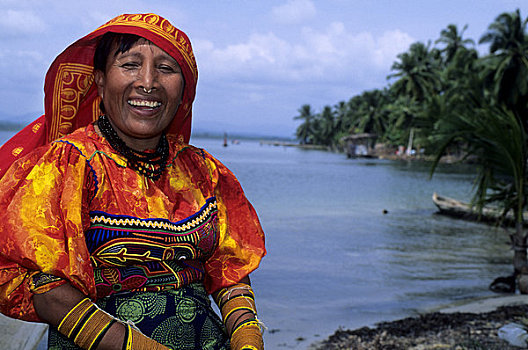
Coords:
pixel 465 324
pixel 482 305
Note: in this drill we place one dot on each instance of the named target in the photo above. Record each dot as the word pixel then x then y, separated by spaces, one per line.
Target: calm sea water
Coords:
pixel 335 260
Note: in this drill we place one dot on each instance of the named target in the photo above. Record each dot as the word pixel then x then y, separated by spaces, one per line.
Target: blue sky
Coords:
pixel 258 61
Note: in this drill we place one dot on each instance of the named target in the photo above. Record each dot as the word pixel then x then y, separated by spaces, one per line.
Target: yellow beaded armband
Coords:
pixel 239 313
pixel 86 324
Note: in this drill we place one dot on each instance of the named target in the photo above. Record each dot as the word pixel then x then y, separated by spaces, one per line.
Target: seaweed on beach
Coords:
pixel 432 331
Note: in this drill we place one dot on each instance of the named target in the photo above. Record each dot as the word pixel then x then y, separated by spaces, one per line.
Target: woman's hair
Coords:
pixel 123 42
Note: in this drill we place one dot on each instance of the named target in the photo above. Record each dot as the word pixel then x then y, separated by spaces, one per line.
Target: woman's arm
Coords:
pixel 244 280
pixel 76 317
pixel 54 305
pixel 239 314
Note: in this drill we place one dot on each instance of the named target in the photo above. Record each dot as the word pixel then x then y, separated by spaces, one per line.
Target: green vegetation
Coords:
pixel 428 85
pixel 452 102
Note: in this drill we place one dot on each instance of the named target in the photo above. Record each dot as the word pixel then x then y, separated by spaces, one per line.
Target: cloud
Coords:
pixel 294 11
pixel 21 22
pixel 391 44
pixel 22 68
pixel 331 55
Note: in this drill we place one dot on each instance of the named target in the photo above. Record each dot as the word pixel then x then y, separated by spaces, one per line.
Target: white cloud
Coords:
pixel 294 11
pixel 21 66
pixel 391 44
pixel 354 51
pixel 331 55
pixel 260 51
pixel 21 22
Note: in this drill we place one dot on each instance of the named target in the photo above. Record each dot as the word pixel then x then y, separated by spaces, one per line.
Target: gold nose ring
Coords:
pixel 147 91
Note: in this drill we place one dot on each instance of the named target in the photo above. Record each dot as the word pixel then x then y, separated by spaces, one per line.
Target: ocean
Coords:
pixel 352 242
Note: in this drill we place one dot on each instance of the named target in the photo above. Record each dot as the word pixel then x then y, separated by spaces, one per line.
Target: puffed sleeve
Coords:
pixel 43 214
pixel 241 238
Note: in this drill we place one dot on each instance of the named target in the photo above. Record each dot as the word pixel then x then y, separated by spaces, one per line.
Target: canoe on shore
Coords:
pixel 454 208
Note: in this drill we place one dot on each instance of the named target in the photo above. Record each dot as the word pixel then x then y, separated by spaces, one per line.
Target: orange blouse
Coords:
pixel 72 211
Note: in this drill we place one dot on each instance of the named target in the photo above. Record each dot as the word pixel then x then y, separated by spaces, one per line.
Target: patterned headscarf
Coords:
pixel 71 100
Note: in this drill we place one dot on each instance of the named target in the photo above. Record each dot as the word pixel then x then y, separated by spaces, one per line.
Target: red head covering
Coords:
pixel 71 100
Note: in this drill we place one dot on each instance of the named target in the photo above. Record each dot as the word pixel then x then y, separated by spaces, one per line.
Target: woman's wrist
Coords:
pixel 239 314
pixel 86 324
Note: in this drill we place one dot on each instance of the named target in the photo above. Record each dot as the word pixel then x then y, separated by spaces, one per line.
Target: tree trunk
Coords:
pixel 520 261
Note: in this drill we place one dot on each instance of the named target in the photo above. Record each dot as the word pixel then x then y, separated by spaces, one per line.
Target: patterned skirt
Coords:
pixel 177 318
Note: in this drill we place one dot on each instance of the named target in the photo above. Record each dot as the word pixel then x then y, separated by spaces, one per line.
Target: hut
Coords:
pixel 359 145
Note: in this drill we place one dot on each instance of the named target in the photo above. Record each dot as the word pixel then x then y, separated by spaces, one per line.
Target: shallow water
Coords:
pixel 335 260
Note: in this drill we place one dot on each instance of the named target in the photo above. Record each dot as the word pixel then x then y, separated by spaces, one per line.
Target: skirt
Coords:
pixel 177 318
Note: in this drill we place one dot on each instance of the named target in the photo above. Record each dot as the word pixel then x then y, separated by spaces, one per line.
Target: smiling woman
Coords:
pixel 141 88
pixel 114 230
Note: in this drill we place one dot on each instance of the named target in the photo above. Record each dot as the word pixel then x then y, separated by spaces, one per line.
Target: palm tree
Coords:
pixel 350 124
pixel 453 41
pixel 461 72
pixel 342 116
pixel 506 68
pixel 402 112
pixel 304 131
pixel 498 140
pixel 326 126
pixel 416 72
pixel 373 112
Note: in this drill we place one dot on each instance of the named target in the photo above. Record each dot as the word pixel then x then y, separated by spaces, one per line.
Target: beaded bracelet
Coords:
pixel 86 324
pixel 239 313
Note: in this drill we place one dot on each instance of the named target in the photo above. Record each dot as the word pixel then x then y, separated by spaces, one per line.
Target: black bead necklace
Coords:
pixel 149 164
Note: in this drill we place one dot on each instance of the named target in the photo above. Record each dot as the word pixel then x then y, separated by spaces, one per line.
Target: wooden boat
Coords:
pixel 452 207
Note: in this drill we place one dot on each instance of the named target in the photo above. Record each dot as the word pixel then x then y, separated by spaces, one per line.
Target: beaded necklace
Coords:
pixel 149 164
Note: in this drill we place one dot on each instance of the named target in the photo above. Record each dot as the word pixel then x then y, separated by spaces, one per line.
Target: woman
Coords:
pixel 112 228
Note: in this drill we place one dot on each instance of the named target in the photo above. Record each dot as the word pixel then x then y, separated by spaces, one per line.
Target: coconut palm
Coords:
pixel 326 127
pixel 402 112
pixel 305 129
pixel 453 41
pixel 462 71
pixel 506 68
pixel 354 106
pixel 416 72
pixel 373 112
pixel 497 139
pixel 342 116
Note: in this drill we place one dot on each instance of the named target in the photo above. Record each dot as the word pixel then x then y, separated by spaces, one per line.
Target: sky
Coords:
pixel 258 61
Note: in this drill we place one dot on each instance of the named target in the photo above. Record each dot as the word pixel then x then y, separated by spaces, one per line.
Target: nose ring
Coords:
pixel 147 91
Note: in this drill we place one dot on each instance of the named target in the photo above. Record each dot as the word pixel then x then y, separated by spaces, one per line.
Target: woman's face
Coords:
pixel 141 90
